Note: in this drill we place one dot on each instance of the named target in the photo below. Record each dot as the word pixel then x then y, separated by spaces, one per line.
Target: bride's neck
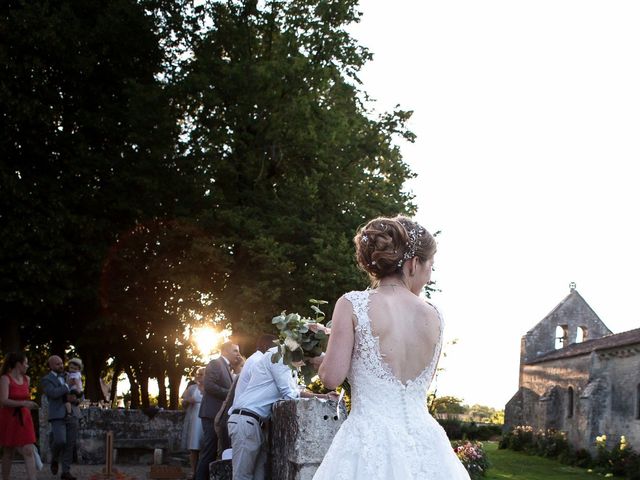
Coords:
pixel 395 281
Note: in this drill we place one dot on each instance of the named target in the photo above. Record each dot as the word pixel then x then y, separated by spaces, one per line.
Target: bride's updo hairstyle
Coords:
pixel 384 244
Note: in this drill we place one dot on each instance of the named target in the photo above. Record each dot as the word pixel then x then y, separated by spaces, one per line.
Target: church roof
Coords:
pixel 584 348
pixel 566 309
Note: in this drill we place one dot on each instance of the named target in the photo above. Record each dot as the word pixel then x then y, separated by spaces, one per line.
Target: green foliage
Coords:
pixel 169 162
pixel 448 404
pixel 459 430
pixel 295 163
pixel 519 466
pixel 620 460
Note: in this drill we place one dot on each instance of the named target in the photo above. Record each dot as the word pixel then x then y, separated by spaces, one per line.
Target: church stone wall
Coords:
pixel 621 369
pixel 572 312
pixel 605 397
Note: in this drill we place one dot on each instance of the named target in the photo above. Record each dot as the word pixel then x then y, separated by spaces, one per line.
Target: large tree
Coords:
pixel 294 160
pixel 88 152
pixel 169 161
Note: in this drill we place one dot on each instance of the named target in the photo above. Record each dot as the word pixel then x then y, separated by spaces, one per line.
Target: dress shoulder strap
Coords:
pixel 360 301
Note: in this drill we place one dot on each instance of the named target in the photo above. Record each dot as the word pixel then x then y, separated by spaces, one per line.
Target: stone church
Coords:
pixel 578 377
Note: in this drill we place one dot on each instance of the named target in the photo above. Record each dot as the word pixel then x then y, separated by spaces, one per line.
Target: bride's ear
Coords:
pixel 412 266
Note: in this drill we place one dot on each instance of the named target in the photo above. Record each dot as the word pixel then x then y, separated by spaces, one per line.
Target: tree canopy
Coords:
pixel 170 162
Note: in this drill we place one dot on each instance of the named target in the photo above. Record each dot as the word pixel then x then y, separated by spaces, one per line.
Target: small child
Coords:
pixel 74 379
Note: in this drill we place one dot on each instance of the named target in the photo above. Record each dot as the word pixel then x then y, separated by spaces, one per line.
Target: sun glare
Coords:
pixel 207 340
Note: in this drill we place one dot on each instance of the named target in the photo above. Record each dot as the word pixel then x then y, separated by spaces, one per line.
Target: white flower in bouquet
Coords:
pixel 291 344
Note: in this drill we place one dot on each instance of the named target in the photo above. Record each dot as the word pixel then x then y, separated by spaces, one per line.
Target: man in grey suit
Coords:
pixel 217 382
pixel 64 427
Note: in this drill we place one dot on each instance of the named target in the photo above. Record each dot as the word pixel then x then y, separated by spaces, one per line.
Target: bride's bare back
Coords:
pixel 408 329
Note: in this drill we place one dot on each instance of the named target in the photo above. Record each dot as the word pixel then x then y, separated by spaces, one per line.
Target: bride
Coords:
pixel 387 341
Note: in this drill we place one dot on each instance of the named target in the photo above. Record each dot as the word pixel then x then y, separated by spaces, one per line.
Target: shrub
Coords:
pixel 581 458
pixel 472 431
pixel 621 460
pixel 473 457
pixel 519 439
pixel 452 427
pixel 551 443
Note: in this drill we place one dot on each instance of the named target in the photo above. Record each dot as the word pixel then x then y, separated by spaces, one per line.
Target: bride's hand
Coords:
pixel 318 327
pixel 333 395
pixel 315 362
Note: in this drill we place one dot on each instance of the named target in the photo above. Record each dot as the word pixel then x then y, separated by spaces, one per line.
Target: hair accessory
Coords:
pixel 412 245
pixel 364 238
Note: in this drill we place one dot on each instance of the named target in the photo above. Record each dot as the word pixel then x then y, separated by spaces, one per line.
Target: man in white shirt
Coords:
pixel 268 382
pixel 264 343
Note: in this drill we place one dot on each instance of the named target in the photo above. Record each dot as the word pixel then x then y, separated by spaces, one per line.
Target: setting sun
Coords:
pixel 207 339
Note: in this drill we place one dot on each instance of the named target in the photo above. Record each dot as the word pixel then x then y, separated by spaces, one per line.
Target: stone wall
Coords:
pixel 572 312
pixel 618 371
pixel 301 432
pixel 136 434
pixel 606 389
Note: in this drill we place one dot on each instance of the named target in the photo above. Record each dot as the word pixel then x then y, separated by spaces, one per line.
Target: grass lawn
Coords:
pixel 519 466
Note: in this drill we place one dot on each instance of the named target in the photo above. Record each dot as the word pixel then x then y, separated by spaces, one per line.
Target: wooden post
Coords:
pixel 109 454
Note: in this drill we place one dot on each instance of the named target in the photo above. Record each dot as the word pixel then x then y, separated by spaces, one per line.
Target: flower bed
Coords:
pixel 473 457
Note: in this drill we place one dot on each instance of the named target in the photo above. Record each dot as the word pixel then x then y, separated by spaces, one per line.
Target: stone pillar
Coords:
pixel 44 429
pixel 300 435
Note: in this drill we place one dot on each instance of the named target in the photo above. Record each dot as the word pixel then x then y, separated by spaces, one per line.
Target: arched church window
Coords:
pixel 570 402
pixel 562 336
pixel 581 334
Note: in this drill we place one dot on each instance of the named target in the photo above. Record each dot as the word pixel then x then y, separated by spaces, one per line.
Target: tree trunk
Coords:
pixel 144 390
pixel 162 390
pixel 10 338
pixel 135 387
pixel 92 369
pixel 174 390
pixel 113 394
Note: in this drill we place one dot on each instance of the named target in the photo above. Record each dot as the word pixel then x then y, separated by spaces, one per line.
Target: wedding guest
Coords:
pixel 220 422
pixel 264 343
pixel 64 428
pixel 192 427
pixel 217 382
pixel 16 425
pixel 268 383
pixel 74 379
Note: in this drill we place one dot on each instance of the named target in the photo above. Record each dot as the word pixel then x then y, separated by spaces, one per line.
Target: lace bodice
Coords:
pixel 373 384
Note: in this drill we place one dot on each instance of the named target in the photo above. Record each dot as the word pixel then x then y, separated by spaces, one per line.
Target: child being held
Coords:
pixel 74 380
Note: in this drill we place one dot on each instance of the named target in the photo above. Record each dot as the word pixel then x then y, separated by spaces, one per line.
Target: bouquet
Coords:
pixel 301 337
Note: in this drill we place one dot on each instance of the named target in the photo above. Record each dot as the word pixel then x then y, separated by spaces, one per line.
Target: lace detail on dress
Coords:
pixel 367 346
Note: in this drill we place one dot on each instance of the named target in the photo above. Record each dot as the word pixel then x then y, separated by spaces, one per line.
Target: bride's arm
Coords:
pixel 337 360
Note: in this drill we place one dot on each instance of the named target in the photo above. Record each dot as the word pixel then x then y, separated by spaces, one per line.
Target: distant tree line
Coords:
pixel 171 163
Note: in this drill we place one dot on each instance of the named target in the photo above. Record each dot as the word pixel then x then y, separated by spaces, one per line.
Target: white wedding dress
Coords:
pixel 389 434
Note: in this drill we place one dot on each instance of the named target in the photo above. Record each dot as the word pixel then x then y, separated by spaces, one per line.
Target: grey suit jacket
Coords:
pixel 56 393
pixel 217 382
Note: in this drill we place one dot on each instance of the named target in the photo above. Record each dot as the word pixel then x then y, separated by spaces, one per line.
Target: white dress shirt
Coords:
pixel 245 374
pixel 268 382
